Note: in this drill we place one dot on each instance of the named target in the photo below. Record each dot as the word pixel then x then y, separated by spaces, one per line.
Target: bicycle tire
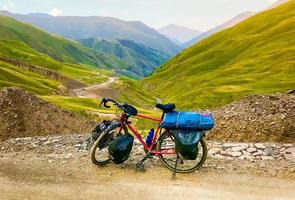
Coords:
pixel 171 167
pixel 93 152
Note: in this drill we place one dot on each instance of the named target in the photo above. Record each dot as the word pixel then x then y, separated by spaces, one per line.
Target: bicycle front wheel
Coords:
pixel 99 156
pixel 166 140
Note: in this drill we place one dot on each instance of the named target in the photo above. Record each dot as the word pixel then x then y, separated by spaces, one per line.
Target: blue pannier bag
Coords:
pixel 187 121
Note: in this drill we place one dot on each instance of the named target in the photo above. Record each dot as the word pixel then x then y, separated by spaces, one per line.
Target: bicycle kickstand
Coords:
pixel 140 165
pixel 175 167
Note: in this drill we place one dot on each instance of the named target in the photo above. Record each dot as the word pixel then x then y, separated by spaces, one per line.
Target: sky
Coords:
pixel 196 14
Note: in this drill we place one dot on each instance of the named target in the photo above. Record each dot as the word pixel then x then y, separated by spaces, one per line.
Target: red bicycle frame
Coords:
pixel 138 136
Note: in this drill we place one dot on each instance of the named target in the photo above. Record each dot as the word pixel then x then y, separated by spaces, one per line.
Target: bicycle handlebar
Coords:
pixel 129 110
pixel 104 101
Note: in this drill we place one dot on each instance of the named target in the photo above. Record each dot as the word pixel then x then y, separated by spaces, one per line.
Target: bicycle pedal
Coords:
pixel 140 167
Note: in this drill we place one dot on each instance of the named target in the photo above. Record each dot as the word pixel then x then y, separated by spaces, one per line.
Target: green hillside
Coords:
pixel 60 49
pixel 255 56
pixel 140 59
pixel 23 48
pixel 13 76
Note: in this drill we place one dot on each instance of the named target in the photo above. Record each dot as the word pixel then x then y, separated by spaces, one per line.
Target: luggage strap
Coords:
pixel 177 120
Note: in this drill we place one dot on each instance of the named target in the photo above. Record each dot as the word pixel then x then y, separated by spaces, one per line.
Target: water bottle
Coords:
pixel 149 138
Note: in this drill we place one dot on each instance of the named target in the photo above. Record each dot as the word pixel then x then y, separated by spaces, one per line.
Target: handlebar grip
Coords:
pixel 104 101
pixel 105 104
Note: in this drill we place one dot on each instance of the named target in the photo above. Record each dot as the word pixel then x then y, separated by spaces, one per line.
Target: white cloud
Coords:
pixel 55 12
pixel 9 6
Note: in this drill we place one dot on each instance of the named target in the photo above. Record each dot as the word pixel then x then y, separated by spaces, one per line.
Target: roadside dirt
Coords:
pixel 57 169
pixel 24 114
pixel 256 118
pixel 98 91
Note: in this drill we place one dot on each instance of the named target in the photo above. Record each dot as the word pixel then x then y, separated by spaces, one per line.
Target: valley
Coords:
pixel 55 68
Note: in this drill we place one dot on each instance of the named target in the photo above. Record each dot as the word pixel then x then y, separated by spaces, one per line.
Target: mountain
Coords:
pixel 178 34
pixel 237 19
pixel 56 47
pixel 279 2
pixel 140 59
pixel 254 56
pixel 103 27
pixel 39 62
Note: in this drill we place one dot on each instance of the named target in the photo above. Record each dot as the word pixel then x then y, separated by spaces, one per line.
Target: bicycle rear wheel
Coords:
pixel 166 140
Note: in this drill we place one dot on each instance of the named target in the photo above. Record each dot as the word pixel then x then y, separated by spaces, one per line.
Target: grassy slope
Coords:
pixel 255 56
pixel 59 48
pixel 14 76
pixel 20 51
pixel 141 60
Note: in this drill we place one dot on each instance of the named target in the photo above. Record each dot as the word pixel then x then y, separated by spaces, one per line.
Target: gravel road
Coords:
pixel 53 168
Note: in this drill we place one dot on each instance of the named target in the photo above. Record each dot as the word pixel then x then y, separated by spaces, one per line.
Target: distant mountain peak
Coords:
pixel 178 34
pixel 233 21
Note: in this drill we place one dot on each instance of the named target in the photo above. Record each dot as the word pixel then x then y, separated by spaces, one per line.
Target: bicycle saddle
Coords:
pixel 166 107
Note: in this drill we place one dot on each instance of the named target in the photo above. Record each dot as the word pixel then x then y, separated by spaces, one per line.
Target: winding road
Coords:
pixel 99 90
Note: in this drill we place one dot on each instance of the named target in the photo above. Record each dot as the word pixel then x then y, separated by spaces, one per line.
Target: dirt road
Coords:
pixel 99 90
pixel 53 168
pixel 78 179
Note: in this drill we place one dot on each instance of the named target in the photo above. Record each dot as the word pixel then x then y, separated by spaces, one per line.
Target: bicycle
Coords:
pixel 163 142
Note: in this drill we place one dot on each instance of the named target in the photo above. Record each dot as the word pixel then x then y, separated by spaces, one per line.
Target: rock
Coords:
pixel 267 158
pixel 246 153
pixel 224 153
pixel 50 161
pixel 251 149
pixel 241 157
pixel 290 151
pixel 269 150
pixel 212 151
pixel 287 145
pixel 258 153
pixel 218 156
pixel 240 148
pixel 236 154
pixel 227 145
pixel 259 146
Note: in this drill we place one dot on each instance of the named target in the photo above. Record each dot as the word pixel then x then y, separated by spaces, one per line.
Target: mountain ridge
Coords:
pixel 179 34
pixel 233 21
pixel 141 60
pixel 109 28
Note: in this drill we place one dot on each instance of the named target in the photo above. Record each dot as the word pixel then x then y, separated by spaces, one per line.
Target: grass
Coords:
pixel 14 76
pixel 20 51
pixel 255 56
pixel 81 105
pixel 130 91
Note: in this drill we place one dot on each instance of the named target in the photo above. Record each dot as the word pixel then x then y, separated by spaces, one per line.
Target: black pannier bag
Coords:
pixel 120 148
pixel 129 109
pixel 97 132
pixel 186 143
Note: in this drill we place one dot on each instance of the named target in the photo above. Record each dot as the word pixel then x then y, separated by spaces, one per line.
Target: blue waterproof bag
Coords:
pixel 187 121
